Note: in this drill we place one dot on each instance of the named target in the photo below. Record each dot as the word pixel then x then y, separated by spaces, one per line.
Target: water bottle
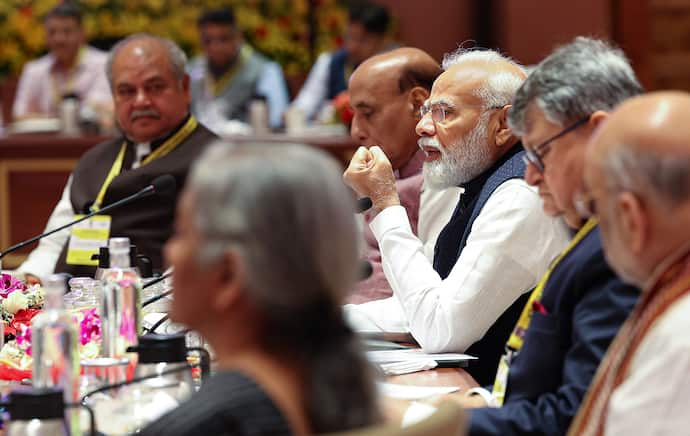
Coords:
pixel 54 343
pixel 120 303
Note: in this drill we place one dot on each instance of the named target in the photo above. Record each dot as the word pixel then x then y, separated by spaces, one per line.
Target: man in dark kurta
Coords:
pixel 151 94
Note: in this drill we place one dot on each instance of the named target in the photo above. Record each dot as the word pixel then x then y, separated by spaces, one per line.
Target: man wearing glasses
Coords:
pixel 497 243
pixel 580 303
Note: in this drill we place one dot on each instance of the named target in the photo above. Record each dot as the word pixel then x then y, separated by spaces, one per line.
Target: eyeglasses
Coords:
pixel 535 156
pixel 439 111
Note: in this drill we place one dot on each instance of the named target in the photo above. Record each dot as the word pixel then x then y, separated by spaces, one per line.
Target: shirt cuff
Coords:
pixel 394 217
pixel 486 395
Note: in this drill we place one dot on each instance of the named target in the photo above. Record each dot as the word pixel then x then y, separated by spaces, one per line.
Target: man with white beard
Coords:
pixel 498 241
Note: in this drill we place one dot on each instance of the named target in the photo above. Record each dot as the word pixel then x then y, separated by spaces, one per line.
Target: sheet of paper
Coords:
pixel 406 392
pixel 387 356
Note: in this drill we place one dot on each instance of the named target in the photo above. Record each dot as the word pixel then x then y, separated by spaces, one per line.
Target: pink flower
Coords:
pixel 9 284
pixel 89 327
pixel 24 338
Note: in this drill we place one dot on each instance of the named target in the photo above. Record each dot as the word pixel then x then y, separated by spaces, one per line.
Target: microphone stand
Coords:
pixel 143 193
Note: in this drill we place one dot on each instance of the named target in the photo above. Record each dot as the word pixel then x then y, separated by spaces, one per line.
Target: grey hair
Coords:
pixel 661 176
pixel 287 214
pixel 176 56
pixel 575 81
pixel 499 88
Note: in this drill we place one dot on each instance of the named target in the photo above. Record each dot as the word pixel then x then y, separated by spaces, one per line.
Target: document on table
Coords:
pixel 444 359
pixel 406 392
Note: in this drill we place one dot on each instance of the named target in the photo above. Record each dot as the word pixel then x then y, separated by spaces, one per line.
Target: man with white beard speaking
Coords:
pixel 498 241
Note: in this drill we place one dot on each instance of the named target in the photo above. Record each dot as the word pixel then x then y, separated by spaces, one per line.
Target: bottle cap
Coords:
pixel 36 403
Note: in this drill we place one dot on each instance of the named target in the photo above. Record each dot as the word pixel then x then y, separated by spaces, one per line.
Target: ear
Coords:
pixel 633 221
pixel 416 98
pixel 502 133
pixel 231 280
pixel 597 118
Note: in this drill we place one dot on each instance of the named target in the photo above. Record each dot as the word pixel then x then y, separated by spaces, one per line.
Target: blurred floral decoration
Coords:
pixel 278 28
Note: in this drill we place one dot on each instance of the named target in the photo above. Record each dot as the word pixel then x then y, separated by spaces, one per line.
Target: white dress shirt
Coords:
pixel 509 247
pixel 314 92
pixel 42 259
pixel 653 399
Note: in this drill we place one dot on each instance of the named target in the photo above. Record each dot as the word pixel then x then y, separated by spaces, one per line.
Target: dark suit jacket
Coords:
pixel 586 304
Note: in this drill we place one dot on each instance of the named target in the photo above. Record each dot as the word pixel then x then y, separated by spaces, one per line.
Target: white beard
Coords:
pixel 462 161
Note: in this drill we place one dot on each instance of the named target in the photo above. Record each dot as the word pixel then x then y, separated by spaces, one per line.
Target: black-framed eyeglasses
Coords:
pixel 535 155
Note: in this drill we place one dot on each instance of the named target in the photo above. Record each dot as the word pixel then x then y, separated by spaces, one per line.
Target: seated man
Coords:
pixel 151 93
pixel 386 92
pixel 498 241
pixel 69 68
pixel 231 73
pixel 365 36
pixel 265 249
pixel 579 304
pixel 637 178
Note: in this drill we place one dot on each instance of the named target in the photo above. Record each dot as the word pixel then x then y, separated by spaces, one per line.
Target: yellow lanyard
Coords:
pixel 161 151
pixel 215 87
pixel 515 340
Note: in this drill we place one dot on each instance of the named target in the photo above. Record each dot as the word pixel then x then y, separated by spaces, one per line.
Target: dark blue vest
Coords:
pixel 451 242
pixel 336 74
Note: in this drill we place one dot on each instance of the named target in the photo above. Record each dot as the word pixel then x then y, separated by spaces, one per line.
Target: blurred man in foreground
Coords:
pixel 386 93
pixel 637 178
pixel 498 241
pixel 265 249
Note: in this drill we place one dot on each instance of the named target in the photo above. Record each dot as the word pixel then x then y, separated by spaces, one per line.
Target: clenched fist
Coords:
pixel 370 174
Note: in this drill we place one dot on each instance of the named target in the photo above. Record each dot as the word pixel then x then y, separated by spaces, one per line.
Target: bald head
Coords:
pixel 386 92
pixel 142 45
pixel 638 172
pixel 407 67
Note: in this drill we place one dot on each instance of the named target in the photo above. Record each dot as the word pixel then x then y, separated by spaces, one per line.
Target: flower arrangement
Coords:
pixel 19 303
pixel 280 29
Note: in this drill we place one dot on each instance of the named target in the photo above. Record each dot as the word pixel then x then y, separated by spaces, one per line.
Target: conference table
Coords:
pixel 34 168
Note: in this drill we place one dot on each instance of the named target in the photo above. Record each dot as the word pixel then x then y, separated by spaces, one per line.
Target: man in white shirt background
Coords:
pixel 498 241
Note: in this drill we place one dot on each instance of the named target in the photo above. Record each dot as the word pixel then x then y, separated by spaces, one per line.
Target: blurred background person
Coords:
pixel 70 68
pixel 264 249
pixel 364 37
pixel 230 74
pixel 637 182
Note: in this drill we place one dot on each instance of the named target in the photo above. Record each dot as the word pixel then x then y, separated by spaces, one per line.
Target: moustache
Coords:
pixel 144 113
pixel 430 143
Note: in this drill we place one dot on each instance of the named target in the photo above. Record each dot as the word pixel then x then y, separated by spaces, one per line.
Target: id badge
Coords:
pixel 501 382
pixel 86 238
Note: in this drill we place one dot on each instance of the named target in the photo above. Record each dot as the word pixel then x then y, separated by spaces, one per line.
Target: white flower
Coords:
pixel 15 302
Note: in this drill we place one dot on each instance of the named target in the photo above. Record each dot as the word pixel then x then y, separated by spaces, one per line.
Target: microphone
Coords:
pixel 365 269
pixel 164 186
pixel 363 204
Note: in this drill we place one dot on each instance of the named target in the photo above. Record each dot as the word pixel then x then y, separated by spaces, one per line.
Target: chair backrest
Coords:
pixel 448 420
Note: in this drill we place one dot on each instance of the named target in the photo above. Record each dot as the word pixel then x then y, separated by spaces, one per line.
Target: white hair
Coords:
pixel 499 88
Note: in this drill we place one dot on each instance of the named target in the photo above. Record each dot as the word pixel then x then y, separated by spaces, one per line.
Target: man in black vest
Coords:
pixel 151 94
pixel 498 241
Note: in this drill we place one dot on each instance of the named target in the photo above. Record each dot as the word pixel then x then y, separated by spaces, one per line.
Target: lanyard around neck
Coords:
pixel 169 145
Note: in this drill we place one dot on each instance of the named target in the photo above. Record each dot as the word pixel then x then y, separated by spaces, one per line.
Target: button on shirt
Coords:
pixel 509 247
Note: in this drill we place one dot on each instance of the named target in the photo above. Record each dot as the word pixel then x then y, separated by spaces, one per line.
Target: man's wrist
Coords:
pixel 379 204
